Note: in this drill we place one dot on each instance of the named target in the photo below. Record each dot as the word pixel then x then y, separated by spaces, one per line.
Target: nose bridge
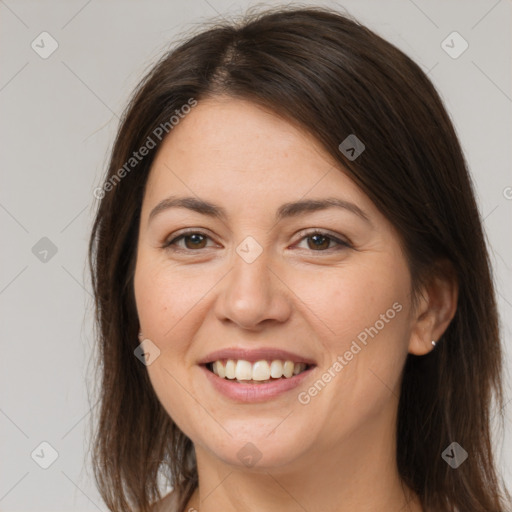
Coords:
pixel 252 293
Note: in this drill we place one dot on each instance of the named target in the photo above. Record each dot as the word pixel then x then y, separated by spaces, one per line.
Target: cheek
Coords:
pixel 344 303
pixel 167 299
pixel 363 315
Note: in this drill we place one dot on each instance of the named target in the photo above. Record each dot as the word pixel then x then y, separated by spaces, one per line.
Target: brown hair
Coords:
pixel 333 77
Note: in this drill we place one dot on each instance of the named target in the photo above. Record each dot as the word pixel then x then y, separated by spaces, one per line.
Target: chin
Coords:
pixel 259 449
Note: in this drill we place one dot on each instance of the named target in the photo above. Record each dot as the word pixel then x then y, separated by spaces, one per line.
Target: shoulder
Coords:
pixel 166 504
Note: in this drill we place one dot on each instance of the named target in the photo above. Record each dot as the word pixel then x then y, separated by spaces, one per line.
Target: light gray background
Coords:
pixel 58 120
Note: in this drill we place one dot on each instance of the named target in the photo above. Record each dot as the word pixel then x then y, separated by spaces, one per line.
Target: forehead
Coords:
pixel 236 152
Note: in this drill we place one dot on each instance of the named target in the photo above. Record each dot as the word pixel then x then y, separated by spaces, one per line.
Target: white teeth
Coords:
pixel 230 369
pixel 242 370
pixel 260 370
pixel 288 369
pixel 276 369
pixel 218 369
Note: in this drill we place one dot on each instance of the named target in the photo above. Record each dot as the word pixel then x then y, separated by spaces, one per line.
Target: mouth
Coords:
pixel 263 371
pixel 255 375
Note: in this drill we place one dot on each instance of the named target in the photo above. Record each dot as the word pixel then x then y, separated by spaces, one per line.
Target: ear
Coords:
pixel 435 309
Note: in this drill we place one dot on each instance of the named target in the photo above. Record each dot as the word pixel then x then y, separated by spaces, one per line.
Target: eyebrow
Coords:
pixel 286 210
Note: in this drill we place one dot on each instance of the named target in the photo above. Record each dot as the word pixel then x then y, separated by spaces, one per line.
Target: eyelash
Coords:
pixel 342 244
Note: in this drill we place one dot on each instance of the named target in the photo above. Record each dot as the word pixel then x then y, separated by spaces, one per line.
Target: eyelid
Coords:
pixel 182 233
pixel 339 240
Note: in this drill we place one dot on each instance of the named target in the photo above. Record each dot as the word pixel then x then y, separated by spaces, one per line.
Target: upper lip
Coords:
pixel 255 354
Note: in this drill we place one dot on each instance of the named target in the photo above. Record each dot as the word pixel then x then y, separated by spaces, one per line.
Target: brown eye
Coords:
pixel 197 241
pixel 318 241
pixel 191 241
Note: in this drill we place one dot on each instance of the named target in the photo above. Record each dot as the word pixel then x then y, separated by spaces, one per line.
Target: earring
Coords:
pixel 433 343
pixel 141 338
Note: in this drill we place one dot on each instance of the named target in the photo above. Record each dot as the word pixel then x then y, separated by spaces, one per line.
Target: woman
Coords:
pixel 293 292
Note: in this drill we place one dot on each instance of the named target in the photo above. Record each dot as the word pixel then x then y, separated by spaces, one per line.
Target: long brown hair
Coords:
pixel 333 77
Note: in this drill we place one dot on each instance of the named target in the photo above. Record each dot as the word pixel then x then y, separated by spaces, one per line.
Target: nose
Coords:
pixel 253 295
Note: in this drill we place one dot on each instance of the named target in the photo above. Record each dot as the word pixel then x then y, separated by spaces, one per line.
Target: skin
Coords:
pixel 337 452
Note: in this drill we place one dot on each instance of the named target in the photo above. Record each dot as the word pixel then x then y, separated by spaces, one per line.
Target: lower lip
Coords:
pixel 251 393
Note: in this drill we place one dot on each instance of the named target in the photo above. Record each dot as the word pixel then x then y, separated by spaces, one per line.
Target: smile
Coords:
pixel 259 372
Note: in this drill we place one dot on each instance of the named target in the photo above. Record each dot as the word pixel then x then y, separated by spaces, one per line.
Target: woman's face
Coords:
pixel 264 275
